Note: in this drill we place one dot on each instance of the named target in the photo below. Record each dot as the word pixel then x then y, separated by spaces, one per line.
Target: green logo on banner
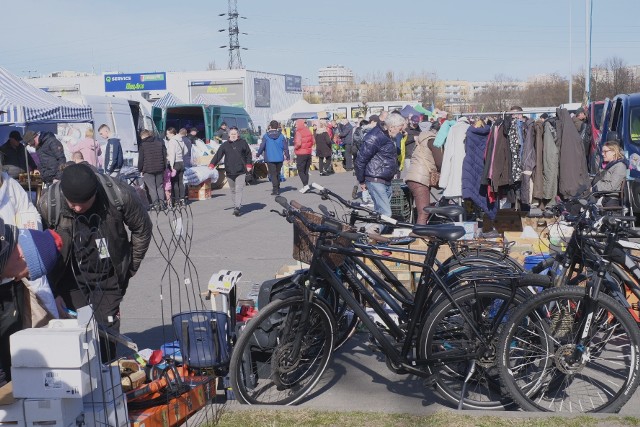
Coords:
pixel 108 79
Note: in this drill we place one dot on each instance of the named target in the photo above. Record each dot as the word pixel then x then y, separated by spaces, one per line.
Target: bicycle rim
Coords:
pixel 445 331
pixel 538 349
pixel 263 368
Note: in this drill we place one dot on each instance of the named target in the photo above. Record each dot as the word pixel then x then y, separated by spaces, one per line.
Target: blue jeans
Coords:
pixel 381 195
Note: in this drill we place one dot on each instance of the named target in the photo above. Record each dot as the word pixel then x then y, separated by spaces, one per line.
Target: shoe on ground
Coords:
pixel 275 192
pixel 323 174
pixel 304 189
pixel 236 212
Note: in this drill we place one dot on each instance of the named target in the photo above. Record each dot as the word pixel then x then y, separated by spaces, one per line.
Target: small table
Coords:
pixel 35 186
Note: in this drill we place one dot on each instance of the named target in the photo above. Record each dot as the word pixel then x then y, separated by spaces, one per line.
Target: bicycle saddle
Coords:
pixel 443 232
pixel 451 211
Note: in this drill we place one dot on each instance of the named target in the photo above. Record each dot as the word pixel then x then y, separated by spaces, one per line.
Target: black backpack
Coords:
pixel 54 197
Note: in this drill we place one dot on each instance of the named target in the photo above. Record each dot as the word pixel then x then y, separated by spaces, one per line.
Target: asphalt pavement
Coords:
pixel 258 244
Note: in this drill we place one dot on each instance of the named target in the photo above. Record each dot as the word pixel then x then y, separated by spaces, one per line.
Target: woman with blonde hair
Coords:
pixel 88 147
pixel 614 168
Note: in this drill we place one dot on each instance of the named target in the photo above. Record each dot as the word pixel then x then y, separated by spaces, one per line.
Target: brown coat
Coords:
pixel 422 162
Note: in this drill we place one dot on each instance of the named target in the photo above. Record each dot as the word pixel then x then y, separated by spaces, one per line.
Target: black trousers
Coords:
pixel 274 169
pixel 324 163
pixel 177 185
pixel 303 163
pixel 106 307
pixel 11 307
pixel 348 156
pixel 153 181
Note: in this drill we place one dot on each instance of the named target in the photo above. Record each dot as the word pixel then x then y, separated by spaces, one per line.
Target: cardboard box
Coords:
pixel 112 414
pixel 338 167
pixel 201 191
pixel 203 160
pixel 470 228
pixel 53 383
pixel 392 265
pixel 444 252
pixel 11 409
pixel 53 347
pixel 52 412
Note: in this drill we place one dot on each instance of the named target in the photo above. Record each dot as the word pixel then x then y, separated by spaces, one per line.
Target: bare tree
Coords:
pixel 212 65
pixel 499 95
pixel 548 91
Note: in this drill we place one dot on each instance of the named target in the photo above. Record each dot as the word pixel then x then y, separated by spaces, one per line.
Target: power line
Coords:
pixel 235 61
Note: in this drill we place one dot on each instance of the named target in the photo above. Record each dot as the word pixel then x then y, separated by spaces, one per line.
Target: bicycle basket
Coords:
pixel 304 240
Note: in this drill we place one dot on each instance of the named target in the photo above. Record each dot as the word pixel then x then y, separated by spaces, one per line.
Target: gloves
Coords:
pixel 249 168
pixel 212 166
pixel 173 173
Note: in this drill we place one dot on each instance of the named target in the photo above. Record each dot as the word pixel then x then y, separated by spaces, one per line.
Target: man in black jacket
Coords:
pixel 345 130
pixel 15 159
pixel 152 161
pixel 98 256
pixel 50 152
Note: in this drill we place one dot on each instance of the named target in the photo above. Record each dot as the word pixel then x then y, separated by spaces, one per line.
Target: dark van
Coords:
pixel 205 118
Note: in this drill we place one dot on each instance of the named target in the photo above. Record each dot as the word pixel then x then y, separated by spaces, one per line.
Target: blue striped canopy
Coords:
pixel 26 104
pixel 167 101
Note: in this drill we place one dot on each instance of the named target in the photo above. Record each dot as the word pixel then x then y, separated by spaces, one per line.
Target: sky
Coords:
pixel 463 39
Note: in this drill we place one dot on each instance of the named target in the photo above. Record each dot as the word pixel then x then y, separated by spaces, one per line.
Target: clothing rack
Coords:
pixel 504 113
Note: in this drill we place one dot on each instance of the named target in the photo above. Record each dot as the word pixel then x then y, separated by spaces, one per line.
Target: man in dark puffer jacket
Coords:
pixel 377 162
pixel 50 152
pixel 152 161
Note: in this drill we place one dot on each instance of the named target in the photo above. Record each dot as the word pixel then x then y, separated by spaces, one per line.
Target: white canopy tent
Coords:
pixel 300 106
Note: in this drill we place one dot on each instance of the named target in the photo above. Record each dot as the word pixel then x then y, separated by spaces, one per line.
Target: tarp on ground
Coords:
pixel 210 99
pixel 25 104
pixel 168 100
pixel 300 106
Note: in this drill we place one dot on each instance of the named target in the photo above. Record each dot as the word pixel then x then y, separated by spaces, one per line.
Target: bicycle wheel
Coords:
pixel 445 331
pixel 536 356
pixel 263 368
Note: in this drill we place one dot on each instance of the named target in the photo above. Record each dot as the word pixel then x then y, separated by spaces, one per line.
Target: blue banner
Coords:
pixel 292 83
pixel 133 82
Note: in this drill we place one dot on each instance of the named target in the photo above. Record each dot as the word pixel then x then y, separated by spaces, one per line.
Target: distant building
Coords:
pixel 335 75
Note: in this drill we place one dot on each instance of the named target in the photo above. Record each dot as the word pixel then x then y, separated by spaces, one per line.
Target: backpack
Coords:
pixel 54 195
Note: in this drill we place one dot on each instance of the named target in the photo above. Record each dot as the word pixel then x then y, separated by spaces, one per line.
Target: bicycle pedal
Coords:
pixel 431 380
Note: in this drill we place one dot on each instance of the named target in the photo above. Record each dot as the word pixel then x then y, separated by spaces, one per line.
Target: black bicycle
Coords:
pixel 450 340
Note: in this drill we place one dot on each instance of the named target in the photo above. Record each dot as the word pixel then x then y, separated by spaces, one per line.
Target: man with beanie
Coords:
pixel 24 254
pixel 50 153
pixel 98 257
pixel 275 149
pixel 14 156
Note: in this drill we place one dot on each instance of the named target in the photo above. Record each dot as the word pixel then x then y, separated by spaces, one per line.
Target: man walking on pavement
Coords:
pixel 237 162
pixel 275 150
pixel 98 256
pixel 113 157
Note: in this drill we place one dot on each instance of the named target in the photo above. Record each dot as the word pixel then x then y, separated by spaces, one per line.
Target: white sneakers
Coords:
pixel 304 189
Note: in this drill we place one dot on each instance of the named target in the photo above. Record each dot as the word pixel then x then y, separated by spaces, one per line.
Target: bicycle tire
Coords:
pixel 261 371
pixel 535 346
pixel 444 330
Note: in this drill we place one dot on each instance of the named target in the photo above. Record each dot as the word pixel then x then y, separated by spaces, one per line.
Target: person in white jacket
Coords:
pixel 16 209
pixel 454 151
pixel 176 150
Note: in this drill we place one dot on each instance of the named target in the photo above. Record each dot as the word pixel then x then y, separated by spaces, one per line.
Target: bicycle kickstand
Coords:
pixel 470 372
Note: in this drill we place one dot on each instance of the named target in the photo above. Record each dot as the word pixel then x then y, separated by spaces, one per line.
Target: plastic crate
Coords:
pixel 401 201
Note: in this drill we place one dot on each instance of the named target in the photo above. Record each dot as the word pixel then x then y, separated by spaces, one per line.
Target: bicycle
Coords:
pixel 282 353
pixel 572 348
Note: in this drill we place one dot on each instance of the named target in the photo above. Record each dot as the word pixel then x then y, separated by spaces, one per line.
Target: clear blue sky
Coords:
pixel 463 39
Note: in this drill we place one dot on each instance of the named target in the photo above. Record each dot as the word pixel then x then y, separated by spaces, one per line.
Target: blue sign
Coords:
pixel 133 82
pixel 292 83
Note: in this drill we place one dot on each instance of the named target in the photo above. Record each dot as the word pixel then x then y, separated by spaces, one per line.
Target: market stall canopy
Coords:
pixel 26 104
pixel 420 109
pixel 409 111
pixel 210 99
pixel 168 100
pixel 298 107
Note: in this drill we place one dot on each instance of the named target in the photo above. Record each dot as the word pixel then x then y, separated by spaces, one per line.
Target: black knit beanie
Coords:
pixel 79 183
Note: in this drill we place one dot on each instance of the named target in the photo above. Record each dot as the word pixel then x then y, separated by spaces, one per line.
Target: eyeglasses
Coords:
pixel 606 151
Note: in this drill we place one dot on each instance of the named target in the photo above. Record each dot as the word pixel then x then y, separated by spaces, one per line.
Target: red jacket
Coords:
pixel 303 141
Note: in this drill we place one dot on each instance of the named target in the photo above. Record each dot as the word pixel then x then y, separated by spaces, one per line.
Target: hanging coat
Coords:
pixel 574 175
pixel 451 173
pixel 498 171
pixel 550 160
pixel 472 170
pixel 538 177
pixel 528 162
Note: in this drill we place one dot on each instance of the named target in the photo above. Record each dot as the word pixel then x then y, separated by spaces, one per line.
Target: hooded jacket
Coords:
pixel 51 154
pixel 303 141
pixel 574 176
pixel 274 147
pixel 422 162
pixel 113 158
pixel 237 156
pixel 377 157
